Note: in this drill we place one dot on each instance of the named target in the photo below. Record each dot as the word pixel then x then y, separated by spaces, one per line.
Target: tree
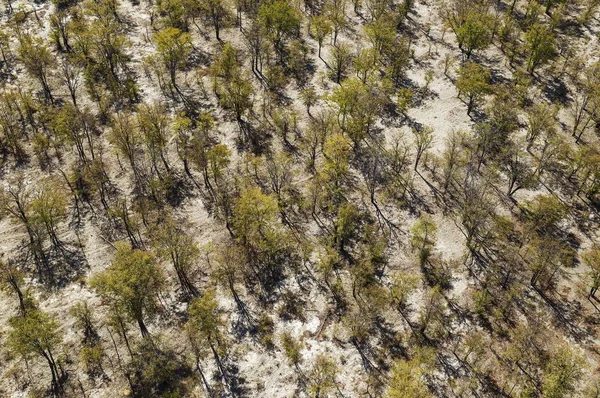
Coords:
pixel 104 46
pixel 173 49
pixel 452 157
pixel 423 141
pixel 75 127
pixel 127 141
pixel 473 82
pixel 266 244
pixel 544 213
pixel 215 12
pixel 541 119
pixel 174 244
pixel 36 332
pixel 130 284
pixel 591 258
pixel 520 175
pixel 472 25
pixel 11 279
pixel 320 28
pixel 254 217
pixel 38 61
pixel 358 106
pixel 406 380
pixel 280 21
pixel 562 373
pixel 539 45
pixel 157 372
pixel 92 352
pixel 405 98
pixel 423 237
pixel 153 124
pixel 70 74
pixel 341 58
pixel 322 376
pixel 335 11
pixel 15 202
pixel 49 207
pixel 229 271
pixel 547 257
pixel 403 286
pixel 236 94
pixel 204 328
pixel 336 168
pixel 292 349
pixel 309 98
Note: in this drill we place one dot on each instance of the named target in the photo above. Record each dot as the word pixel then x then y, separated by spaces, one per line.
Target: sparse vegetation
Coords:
pixel 324 198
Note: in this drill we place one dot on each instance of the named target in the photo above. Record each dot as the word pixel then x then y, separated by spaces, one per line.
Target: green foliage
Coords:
pixel 540 46
pixel 323 376
pixel 130 284
pixel 173 49
pixel 205 318
pixel 215 13
pixel 473 82
pixel 472 25
pixel 423 237
pixel 34 333
pixel 279 20
pixel 406 380
pixel 341 59
pixel 544 213
pixel 591 258
pixel 255 217
pixel 38 61
pixel 292 348
pixel 173 244
pixel 205 329
pixel 562 373
pixel 158 372
pixel 336 167
pixel 405 96
pixel 320 27
pixel 37 333
pixel 358 105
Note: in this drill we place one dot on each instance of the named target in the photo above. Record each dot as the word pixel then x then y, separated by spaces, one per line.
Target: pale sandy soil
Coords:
pixel 267 373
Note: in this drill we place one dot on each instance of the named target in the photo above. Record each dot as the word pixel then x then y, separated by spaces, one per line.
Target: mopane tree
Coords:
pixel 471 23
pixel 92 353
pixel 38 61
pixel 231 85
pixel 562 373
pixel 591 258
pixel 216 13
pixel 175 245
pixel 514 164
pixel 205 331
pixel 15 203
pixel 127 140
pixel 154 125
pixel 130 284
pixel 280 21
pixel 540 46
pixel 423 237
pixel 173 49
pixel 406 379
pixel 320 28
pixel 541 120
pixel 323 376
pixel 11 281
pixel 473 83
pixel 37 333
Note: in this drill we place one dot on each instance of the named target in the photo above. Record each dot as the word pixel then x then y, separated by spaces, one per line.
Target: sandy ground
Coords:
pixel 267 373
